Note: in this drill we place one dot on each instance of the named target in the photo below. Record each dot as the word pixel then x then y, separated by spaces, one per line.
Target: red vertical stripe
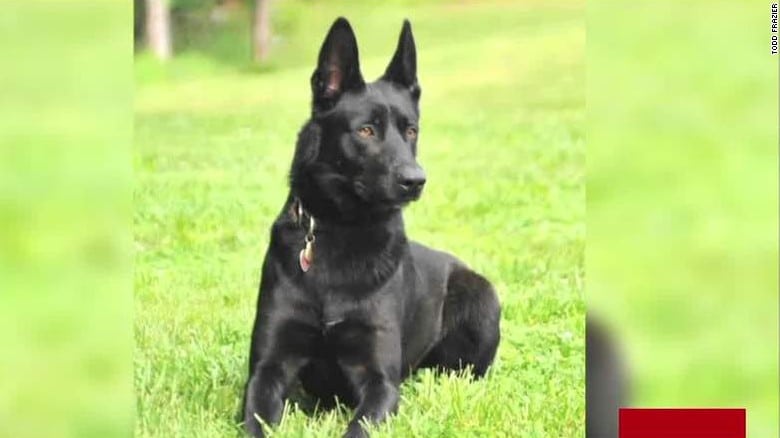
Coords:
pixel 682 423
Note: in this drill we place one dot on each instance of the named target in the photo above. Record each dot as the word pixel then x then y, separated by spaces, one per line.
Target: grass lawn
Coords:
pixel 682 254
pixel 502 141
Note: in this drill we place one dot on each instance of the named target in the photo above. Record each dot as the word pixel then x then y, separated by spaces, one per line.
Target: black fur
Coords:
pixel 374 306
pixel 606 381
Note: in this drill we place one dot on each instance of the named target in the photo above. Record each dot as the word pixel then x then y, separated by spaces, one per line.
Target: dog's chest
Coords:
pixel 345 331
pixel 333 314
pixel 356 316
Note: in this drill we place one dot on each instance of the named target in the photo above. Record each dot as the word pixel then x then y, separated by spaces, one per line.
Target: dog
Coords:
pixel 347 304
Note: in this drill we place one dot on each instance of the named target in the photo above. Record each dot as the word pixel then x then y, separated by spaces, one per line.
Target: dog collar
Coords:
pixel 306 255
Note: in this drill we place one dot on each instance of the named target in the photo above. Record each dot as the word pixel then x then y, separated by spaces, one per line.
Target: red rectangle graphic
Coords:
pixel 682 423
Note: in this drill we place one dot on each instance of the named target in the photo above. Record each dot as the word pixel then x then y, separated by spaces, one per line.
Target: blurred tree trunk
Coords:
pixel 139 23
pixel 158 28
pixel 261 30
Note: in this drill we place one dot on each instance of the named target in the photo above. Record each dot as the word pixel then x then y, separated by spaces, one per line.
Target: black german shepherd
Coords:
pixel 347 304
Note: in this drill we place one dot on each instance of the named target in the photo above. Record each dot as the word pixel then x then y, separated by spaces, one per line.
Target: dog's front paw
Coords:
pixel 253 427
pixel 355 431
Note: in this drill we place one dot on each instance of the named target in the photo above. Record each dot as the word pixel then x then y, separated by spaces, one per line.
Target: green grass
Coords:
pixel 502 143
pixel 682 201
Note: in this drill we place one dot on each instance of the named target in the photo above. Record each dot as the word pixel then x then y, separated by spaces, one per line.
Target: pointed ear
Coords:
pixel 403 67
pixel 338 68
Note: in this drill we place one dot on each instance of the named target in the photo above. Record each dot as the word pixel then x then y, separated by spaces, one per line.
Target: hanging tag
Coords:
pixel 305 257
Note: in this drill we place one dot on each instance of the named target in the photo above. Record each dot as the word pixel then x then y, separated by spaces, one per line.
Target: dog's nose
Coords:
pixel 411 179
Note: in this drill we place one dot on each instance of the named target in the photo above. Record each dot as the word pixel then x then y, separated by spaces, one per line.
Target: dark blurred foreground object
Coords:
pixel 606 386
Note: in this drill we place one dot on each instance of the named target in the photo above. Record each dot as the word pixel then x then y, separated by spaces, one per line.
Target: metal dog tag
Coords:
pixel 305 257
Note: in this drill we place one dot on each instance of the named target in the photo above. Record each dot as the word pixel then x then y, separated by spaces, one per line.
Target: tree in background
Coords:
pixel 158 28
pixel 139 19
pixel 261 30
pixel 198 24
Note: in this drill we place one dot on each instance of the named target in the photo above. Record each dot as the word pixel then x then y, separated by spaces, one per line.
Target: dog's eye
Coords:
pixel 411 133
pixel 366 131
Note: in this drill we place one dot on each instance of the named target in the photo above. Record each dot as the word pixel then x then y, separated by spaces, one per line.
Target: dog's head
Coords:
pixel 356 157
